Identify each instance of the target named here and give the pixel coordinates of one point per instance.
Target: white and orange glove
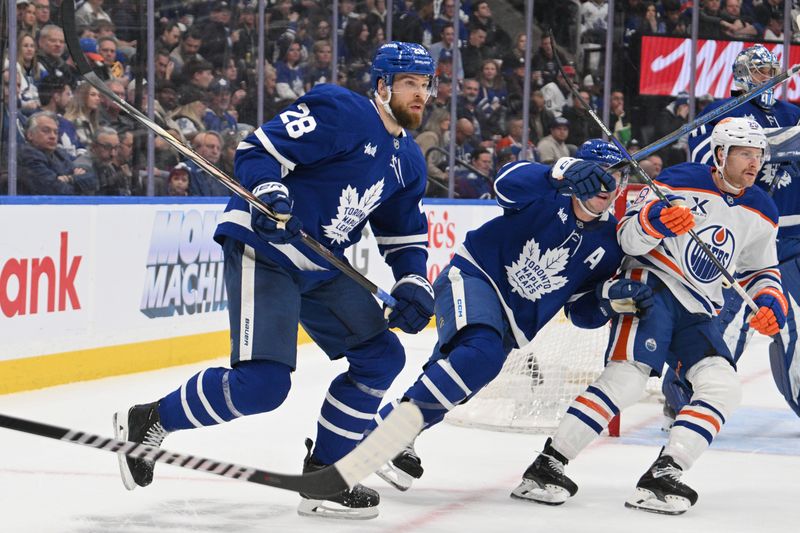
(772, 309)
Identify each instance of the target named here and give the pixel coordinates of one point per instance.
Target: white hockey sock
(620, 385)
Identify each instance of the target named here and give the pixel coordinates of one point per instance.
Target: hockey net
(539, 381)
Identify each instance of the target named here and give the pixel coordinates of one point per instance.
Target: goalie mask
(752, 67)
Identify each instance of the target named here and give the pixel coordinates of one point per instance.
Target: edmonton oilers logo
(720, 241)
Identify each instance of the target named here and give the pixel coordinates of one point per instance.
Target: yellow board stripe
(48, 370)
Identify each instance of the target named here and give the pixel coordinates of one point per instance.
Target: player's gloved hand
(582, 178)
(414, 307)
(660, 220)
(275, 195)
(772, 309)
(625, 297)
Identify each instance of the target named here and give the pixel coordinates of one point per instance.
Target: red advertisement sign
(666, 66)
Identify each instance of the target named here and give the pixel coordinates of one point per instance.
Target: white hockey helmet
(737, 131)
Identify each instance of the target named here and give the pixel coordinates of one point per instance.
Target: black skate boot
(358, 503)
(544, 481)
(660, 489)
(401, 471)
(141, 424)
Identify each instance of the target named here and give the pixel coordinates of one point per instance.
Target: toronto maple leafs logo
(774, 174)
(534, 273)
(353, 209)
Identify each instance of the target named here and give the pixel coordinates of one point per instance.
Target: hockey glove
(772, 309)
(275, 195)
(582, 178)
(414, 307)
(625, 297)
(659, 220)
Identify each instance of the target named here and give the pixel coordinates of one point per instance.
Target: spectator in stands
(764, 11)
(107, 48)
(358, 49)
(444, 48)
(178, 181)
(169, 37)
(230, 140)
(553, 147)
(467, 103)
(515, 77)
(26, 17)
(513, 140)
(652, 23)
(84, 112)
(54, 95)
(675, 24)
(556, 93)
(435, 134)
(581, 125)
(245, 37)
(669, 119)
(248, 109)
(110, 112)
(440, 102)
(543, 64)
(322, 30)
(42, 13)
(711, 21)
(189, 113)
(475, 52)
(497, 40)
(166, 96)
(740, 26)
(593, 23)
(492, 83)
(187, 51)
(215, 47)
(516, 55)
(540, 117)
(123, 161)
(99, 161)
(43, 167)
(51, 51)
(620, 121)
(198, 74)
(216, 116)
(470, 184)
(290, 73)
(163, 64)
(319, 68)
(209, 145)
(465, 139)
(491, 100)
(90, 12)
(774, 30)
(29, 73)
(375, 13)
(5, 120)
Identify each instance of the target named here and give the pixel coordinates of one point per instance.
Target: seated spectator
(669, 119)
(169, 36)
(739, 25)
(99, 161)
(187, 51)
(556, 93)
(652, 23)
(444, 48)
(90, 12)
(774, 30)
(107, 48)
(516, 55)
(469, 184)
(512, 141)
(54, 95)
(543, 64)
(45, 169)
(216, 41)
(110, 113)
(475, 52)
(209, 145)
(439, 102)
(248, 108)
(465, 139)
(290, 73)
(581, 125)
(467, 103)
(553, 147)
(123, 164)
(178, 181)
(492, 85)
(19, 120)
(26, 17)
(42, 14)
(197, 74)
(217, 117)
(435, 134)
(29, 72)
(446, 15)
(674, 24)
(190, 111)
(84, 112)
(497, 40)
(711, 22)
(764, 11)
(319, 68)
(163, 64)
(619, 118)
(51, 54)
(540, 117)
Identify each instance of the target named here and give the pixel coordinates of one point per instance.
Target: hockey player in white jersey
(335, 160)
(556, 251)
(739, 223)
(752, 67)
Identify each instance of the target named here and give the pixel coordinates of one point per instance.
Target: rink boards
(91, 288)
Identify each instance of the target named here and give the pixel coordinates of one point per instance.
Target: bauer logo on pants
(722, 245)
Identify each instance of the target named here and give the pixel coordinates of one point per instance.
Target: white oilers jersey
(343, 169)
(739, 230)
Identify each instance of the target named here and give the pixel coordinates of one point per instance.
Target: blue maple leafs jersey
(538, 256)
(343, 169)
(785, 176)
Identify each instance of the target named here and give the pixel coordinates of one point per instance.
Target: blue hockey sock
(218, 395)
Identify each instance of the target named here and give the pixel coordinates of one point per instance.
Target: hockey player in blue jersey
(558, 250)
(335, 160)
(739, 223)
(752, 67)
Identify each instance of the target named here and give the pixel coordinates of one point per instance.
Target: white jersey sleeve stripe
(393, 250)
(423, 237)
(270, 148)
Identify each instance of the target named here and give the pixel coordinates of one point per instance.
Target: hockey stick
(659, 193)
(71, 38)
(669, 138)
(387, 440)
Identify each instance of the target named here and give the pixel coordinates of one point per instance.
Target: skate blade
(644, 500)
(531, 491)
(332, 510)
(121, 433)
(395, 477)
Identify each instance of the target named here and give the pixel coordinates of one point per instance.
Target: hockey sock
(619, 385)
(218, 395)
(354, 396)
(475, 359)
(717, 392)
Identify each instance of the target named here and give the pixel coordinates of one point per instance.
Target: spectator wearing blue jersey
(217, 118)
(334, 160)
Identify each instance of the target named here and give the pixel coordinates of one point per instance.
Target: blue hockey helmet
(399, 57)
(599, 151)
(752, 67)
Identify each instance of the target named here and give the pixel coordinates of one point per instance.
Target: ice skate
(401, 471)
(141, 424)
(660, 489)
(358, 503)
(544, 481)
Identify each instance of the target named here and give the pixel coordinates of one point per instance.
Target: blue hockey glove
(275, 195)
(625, 297)
(661, 220)
(414, 307)
(582, 178)
(772, 309)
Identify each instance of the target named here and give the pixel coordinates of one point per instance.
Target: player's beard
(404, 117)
